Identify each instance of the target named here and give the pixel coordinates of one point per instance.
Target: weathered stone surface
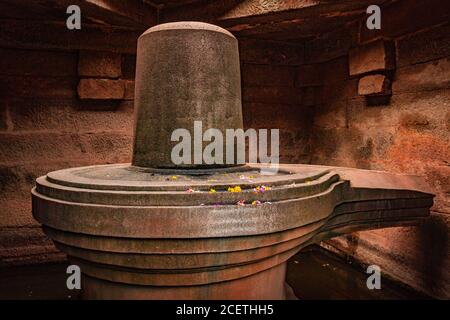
(166, 55)
(4, 118)
(285, 116)
(309, 75)
(41, 115)
(338, 91)
(26, 245)
(404, 198)
(309, 96)
(417, 255)
(99, 64)
(129, 90)
(128, 66)
(334, 71)
(397, 18)
(39, 63)
(422, 77)
(331, 45)
(49, 35)
(101, 89)
(51, 147)
(284, 95)
(375, 56)
(270, 52)
(37, 87)
(376, 84)
(267, 75)
(424, 46)
(126, 224)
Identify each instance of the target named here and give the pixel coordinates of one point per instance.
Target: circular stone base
(223, 233)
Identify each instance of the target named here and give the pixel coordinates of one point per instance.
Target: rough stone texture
(184, 66)
(99, 64)
(376, 84)
(129, 90)
(426, 45)
(400, 18)
(44, 127)
(101, 89)
(410, 134)
(426, 76)
(273, 96)
(375, 56)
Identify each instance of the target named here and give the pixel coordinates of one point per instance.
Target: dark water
(313, 274)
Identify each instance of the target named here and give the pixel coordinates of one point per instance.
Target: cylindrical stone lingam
(139, 231)
(185, 72)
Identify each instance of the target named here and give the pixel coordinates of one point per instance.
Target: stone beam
(51, 35)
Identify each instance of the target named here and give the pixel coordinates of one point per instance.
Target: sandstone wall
(66, 101)
(71, 105)
(358, 123)
(272, 97)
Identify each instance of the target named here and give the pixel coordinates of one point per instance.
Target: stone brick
(434, 104)
(309, 75)
(267, 75)
(423, 77)
(309, 96)
(129, 90)
(424, 46)
(331, 45)
(37, 87)
(50, 147)
(25, 245)
(69, 116)
(415, 255)
(375, 56)
(99, 64)
(109, 147)
(270, 52)
(404, 17)
(415, 120)
(44, 34)
(335, 70)
(376, 84)
(104, 89)
(128, 66)
(331, 115)
(282, 95)
(16, 62)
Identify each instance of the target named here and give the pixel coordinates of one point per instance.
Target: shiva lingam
(138, 232)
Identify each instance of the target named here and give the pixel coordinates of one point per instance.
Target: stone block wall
(58, 109)
(351, 97)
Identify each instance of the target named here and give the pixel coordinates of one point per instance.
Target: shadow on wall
(433, 239)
